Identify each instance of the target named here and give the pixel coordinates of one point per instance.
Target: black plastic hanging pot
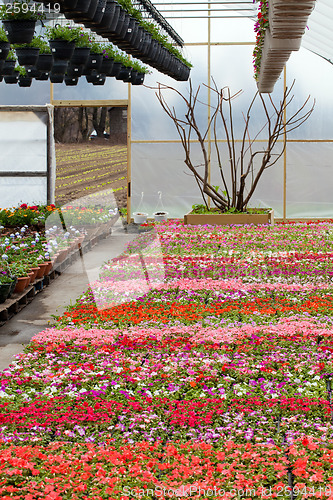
(100, 81)
(19, 31)
(32, 71)
(106, 66)
(61, 49)
(80, 56)
(115, 69)
(183, 74)
(44, 75)
(146, 43)
(45, 62)
(25, 81)
(2, 63)
(131, 31)
(56, 78)
(123, 73)
(27, 56)
(59, 67)
(94, 63)
(88, 15)
(93, 76)
(138, 41)
(75, 71)
(97, 17)
(70, 82)
(81, 7)
(8, 67)
(108, 16)
(4, 50)
(132, 75)
(139, 79)
(13, 78)
(68, 5)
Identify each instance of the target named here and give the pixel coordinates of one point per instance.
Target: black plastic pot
(45, 62)
(2, 63)
(32, 71)
(123, 73)
(132, 30)
(81, 7)
(56, 78)
(70, 82)
(27, 56)
(68, 5)
(139, 79)
(4, 50)
(75, 71)
(97, 17)
(25, 81)
(132, 75)
(108, 16)
(94, 63)
(13, 78)
(8, 67)
(80, 56)
(147, 42)
(82, 17)
(1, 78)
(19, 31)
(93, 77)
(100, 81)
(184, 73)
(138, 41)
(44, 75)
(106, 66)
(61, 49)
(59, 67)
(115, 69)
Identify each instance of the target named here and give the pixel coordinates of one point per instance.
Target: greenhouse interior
(166, 230)
(218, 39)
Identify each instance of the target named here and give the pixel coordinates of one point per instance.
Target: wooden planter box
(228, 219)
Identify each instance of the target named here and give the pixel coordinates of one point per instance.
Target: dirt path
(88, 168)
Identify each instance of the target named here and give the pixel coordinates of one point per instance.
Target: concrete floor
(54, 299)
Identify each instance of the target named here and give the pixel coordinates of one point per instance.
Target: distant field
(87, 168)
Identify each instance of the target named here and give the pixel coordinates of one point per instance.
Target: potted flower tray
(258, 216)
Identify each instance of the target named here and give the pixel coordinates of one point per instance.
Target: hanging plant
(260, 28)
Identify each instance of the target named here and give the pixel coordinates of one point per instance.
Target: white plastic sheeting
(27, 156)
(319, 35)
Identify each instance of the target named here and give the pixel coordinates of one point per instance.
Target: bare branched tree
(245, 167)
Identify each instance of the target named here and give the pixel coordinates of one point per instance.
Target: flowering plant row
(178, 377)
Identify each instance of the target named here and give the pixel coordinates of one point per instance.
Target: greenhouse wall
(220, 49)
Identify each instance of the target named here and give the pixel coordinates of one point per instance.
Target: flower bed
(214, 382)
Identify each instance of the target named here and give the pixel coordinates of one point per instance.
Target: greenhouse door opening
(91, 152)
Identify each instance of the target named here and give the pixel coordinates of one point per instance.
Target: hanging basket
(71, 82)
(27, 56)
(80, 56)
(45, 62)
(289, 19)
(13, 78)
(25, 81)
(140, 217)
(160, 216)
(19, 31)
(61, 49)
(8, 67)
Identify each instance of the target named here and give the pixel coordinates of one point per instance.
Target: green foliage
(21, 70)
(58, 32)
(37, 42)
(3, 36)
(96, 48)
(139, 68)
(11, 55)
(82, 38)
